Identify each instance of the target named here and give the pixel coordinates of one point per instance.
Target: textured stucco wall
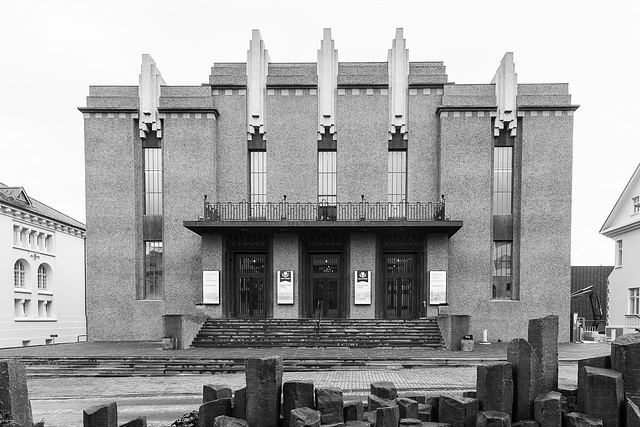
(189, 173)
(466, 150)
(437, 259)
(111, 201)
(212, 261)
(285, 257)
(292, 145)
(362, 127)
(231, 159)
(545, 249)
(423, 161)
(363, 257)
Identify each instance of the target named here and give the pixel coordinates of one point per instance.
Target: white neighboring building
(623, 226)
(42, 273)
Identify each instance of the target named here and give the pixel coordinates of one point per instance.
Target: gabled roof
(620, 218)
(17, 197)
(16, 193)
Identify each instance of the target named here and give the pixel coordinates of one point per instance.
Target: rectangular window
(619, 253)
(397, 183)
(153, 271)
(502, 180)
(634, 301)
(327, 178)
(502, 263)
(636, 204)
(152, 181)
(258, 190)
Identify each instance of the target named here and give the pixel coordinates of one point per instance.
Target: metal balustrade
(300, 211)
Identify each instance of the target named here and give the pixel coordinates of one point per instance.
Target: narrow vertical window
(43, 278)
(153, 271)
(634, 301)
(502, 180)
(153, 181)
(327, 185)
(397, 183)
(258, 183)
(258, 176)
(619, 253)
(636, 204)
(502, 263)
(18, 274)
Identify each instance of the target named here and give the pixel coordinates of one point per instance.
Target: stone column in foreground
(604, 395)
(495, 387)
(14, 396)
(264, 388)
(525, 364)
(625, 358)
(543, 336)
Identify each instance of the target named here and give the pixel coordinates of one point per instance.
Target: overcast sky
(51, 51)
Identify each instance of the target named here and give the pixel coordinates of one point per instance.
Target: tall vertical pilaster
(257, 69)
(398, 60)
(327, 86)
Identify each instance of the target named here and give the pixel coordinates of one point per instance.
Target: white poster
(362, 287)
(285, 287)
(211, 287)
(437, 287)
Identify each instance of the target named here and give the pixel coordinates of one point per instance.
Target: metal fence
(358, 211)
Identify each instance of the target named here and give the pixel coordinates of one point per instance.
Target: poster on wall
(362, 287)
(211, 287)
(437, 287)
(285, 286)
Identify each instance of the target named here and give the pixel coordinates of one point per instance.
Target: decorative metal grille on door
(399, 278)
(325, 277)
(250, 292)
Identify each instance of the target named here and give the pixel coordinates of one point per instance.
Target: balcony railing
(632, 321)
(358, 211)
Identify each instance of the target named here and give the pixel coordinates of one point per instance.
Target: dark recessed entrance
(400, 286)
(250, 286)
(325, 284)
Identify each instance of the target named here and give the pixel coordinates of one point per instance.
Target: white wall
(64, 261)
(624, 277)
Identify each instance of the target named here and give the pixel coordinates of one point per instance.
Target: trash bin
(466, 344)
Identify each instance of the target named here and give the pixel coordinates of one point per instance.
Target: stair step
(331, 333)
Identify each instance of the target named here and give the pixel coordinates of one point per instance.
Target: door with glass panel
(325, 285)
(250, 301)
(400, 286)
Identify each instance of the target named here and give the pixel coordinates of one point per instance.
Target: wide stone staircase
(326, 333)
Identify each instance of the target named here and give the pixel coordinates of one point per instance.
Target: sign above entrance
(437, 287)
(362, 287)
(211, 287)
(285, 286)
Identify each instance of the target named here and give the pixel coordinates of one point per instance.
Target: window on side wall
(153, 271)
(43, 278)
(636, 204)
(502, 268)
(19, 274)
(634, 301)
(619, 253)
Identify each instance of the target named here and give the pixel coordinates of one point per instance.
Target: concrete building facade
(42, 297)
(358, 190)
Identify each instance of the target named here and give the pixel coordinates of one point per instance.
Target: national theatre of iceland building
(369, 190)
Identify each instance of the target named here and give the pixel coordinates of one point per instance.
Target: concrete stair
(331, 333)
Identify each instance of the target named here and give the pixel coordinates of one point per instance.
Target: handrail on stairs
(318, 319)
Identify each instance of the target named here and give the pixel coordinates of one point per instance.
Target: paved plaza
(163, 399)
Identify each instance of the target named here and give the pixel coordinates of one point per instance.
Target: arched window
(43, 277)
(18, 274)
